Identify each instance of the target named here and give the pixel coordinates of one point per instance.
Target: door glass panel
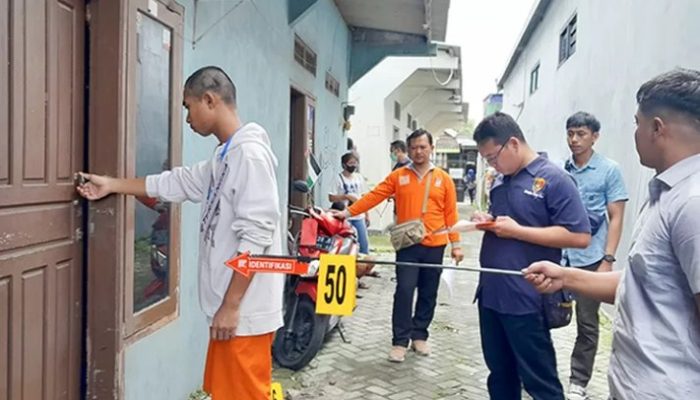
(152, 149)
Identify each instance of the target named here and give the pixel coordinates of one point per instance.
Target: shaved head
(211, 79)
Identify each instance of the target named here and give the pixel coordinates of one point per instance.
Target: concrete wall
(620, 45)
(254, 44)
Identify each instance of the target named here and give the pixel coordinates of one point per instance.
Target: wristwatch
(609, 258)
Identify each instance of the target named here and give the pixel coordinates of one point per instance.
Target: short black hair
(418, 133)
(211, 79)
(350, 144)
(338, 205)
(677, 90)
(398, 145)
(347, 156)
(583, 119)
(498, 127)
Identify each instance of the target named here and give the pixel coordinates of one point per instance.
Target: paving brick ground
(455, 370)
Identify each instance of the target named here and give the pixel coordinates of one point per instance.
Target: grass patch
(199, 395)
(380, 243)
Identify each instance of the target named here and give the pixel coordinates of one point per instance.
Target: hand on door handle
(92, 187)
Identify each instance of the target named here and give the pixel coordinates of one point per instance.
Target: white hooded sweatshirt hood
(240, 213)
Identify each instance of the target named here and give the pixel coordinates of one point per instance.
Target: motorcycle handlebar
(300, 213)
(303, 211)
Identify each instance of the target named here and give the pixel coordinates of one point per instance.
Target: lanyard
(223, 151)
(220, 173)
(211, 209)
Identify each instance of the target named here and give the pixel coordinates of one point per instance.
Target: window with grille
(567, 40)
(409, 121)
(332, 84)
(397, 111)
(304, 55)
(535, 79)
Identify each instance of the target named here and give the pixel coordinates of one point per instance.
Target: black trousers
(587, 324)
(408, 325)
(518, 350)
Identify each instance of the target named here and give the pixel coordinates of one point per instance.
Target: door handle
(79, 179)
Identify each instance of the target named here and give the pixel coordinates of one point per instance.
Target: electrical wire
(449, 78)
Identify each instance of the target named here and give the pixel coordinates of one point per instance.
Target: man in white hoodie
(240, 213)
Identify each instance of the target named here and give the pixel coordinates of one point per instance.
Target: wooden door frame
(165, 310)
(106, 133)
(297, 148)
(108, 123)
(304, 99)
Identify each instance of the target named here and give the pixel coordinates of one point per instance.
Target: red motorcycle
(297, 342)
(159, 248)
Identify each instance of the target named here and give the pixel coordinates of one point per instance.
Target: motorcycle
(297, 342)
(158, 249)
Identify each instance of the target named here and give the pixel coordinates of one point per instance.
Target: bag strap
(427, 193)
(345, 186)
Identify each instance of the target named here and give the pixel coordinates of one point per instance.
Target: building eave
(427, 18)
(391, 28)
(534, 21)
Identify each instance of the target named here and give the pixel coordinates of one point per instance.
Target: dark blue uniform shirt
(540, 195)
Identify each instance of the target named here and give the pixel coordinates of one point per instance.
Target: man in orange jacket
(407, 185)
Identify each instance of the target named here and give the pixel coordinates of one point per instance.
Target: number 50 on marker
(336, 285)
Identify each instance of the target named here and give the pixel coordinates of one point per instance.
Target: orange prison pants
(240, 368)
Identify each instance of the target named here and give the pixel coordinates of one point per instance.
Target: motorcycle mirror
(301, 186)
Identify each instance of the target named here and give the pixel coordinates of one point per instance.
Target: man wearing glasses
(536, 211)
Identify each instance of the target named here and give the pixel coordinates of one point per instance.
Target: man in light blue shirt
(656, 331)
(602, 190)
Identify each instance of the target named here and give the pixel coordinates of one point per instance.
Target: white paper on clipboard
(463, 226)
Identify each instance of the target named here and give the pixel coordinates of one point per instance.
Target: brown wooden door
(41, 146)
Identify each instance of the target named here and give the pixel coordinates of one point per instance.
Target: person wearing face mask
(350, 186)
(398, 154)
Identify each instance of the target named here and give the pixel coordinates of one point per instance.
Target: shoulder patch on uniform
(538, 185)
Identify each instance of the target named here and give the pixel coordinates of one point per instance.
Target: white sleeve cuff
(152, 185)
(250, 247)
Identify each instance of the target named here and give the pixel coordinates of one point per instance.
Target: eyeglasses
(493, 159)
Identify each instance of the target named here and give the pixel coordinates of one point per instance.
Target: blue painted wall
(254, 44)
(324, 30)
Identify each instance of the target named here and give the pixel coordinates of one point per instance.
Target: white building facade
(586, 55)
(399, 95)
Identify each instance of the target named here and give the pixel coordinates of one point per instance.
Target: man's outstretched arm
(548, 277)
(176, 185)
(98, 186)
